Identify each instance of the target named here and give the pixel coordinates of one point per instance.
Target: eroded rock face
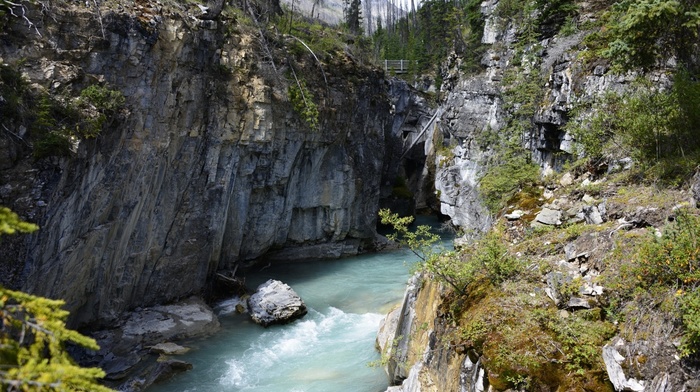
(275, 302)
(211, 167)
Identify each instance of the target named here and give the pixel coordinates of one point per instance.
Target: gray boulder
(275, 302)
(549, 217)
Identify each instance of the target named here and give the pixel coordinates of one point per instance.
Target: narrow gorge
(168, 149)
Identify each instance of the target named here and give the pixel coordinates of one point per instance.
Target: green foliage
(660, 129)
(500, 182)
(302, 100)
(674, 261)
(690, 310)
(33, 335)
(14, 93)
(426, 37)
(32, 340)
(59, 123)
(644, 32)
(421, 241)
(106, 101)
(10, 223)
(487, 260)
(353, 16)
(492, 259)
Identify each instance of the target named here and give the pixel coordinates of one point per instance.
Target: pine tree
(33, 335)
(353, 16)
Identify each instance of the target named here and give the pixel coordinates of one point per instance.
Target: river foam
(326, 351)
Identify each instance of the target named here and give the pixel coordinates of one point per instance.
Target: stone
(167, 368)
(592, 215)
(549, 217)
(515, 215)
(169, 348)
(612, 360)
(567, 179)
(588, 199)
(591, 290)
(186, 319)
(619, 165)
(275, 302)
(578, 303)
(461, 242)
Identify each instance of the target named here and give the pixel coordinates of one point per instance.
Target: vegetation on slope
(536, 315)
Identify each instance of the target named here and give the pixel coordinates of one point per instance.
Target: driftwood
(228, 284)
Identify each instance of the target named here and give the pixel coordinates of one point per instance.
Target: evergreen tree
(33, 335)
(353, 16)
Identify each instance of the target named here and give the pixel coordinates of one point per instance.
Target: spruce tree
(33, 336)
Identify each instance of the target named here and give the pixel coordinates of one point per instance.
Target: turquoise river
(329, 350)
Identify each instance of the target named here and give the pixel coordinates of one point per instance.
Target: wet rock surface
(138, 352)
(275, 302)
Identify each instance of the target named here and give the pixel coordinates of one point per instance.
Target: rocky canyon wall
(210, 168)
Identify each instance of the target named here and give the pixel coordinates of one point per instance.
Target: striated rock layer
(211, 167)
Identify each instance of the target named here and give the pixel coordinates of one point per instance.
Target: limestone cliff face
(426, 356)
(210, 168)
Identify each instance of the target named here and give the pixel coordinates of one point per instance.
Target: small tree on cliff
(33, 335)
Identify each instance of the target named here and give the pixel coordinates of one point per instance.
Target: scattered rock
(591, 290)
(515, 215)
(567, 179)
(549, 217)
(169, 367)
(275, 302)
(578, 303)
(588, 199)
(185, 319)
(620, 165)
(460, 242)
(169, 348)
(613, 359)
(592, 215)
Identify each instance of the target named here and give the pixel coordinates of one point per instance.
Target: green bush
(642, 33)
(659, 129)
(674, 261)
(303, 102)
(499, 183)
(690, 308)
(103, 99)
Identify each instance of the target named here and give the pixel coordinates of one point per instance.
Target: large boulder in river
(275, 302)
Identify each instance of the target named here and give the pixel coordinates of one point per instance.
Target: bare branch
(316, 58)
(10, 6)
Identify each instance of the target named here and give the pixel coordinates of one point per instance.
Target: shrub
(103, 99)
(302, 101)
(674, 261)
(645, 32)
(660, 129)
(690, 308)
(499, 183)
